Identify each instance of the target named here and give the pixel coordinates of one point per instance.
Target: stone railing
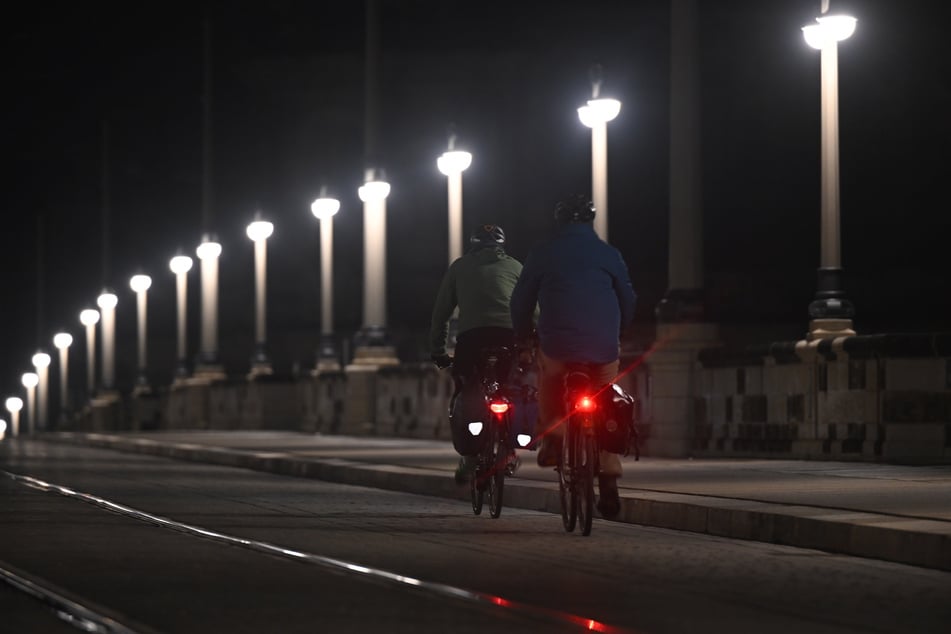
(876, 398)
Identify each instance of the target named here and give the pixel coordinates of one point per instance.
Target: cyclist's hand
(442, 361)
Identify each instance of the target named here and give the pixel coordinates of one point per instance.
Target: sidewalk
(891, 512)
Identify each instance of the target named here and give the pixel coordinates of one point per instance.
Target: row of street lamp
(830, 303)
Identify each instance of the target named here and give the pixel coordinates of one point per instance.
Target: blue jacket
(584, 294)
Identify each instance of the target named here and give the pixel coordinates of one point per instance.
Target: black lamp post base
(831, 311)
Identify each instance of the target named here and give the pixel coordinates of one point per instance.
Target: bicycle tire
(566, 494)
(496, 474)
(585, 481)
(476, 492)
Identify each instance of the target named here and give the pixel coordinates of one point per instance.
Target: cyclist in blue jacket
(585, 300)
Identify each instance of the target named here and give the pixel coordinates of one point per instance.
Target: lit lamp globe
(828, 29)
(324, 208)
(260, 230)
(180, 264)
(140, 283)
(454, 162)
(30, 380)
(107, 301)
(208, 250)
(374, 191)
(89, 317)
(14, 404)
(41, 360)
(62, 340)
(599, 111)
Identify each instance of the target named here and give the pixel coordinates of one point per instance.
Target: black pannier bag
(524, 397)
(469, 407)
(617, 432)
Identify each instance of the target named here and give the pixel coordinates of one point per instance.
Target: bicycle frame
(579, 460)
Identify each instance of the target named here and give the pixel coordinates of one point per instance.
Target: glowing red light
(586, 404)
(499, 407)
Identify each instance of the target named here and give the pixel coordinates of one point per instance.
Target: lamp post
(373, 193)
(140, 284)
(453, 163)
(831, 311)
(595, 114)
(107, 306)
(89, 318)
(30, 381)
(41, 361)
(62, 341)
(324, 209)
(208, 252)
(180, 266)
(259, 231)
(14, 405)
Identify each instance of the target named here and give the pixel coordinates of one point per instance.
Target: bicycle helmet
(577, 208)
(487, 236)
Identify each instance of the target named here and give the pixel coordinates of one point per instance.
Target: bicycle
(492, 417)
(578, 462)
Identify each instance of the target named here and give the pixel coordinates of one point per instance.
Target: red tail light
(586, 404)
(499, 407)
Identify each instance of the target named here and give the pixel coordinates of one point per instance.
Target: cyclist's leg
(550, 427)
(609, 501)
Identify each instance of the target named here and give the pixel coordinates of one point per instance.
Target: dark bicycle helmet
(577, 208)
(487, 236)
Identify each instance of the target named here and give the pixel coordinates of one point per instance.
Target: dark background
(288, 118)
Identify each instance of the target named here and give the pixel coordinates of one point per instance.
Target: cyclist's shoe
(609, 500)
(512, 464)
(464, 469)
(549, 451)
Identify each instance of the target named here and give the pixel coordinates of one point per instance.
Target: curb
(917, 542)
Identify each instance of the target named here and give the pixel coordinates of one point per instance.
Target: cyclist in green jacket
(480, 284)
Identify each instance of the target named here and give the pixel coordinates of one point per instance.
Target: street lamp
(259, 231)
(595, 114)
(831, 311)
(453, 163)
(208, 252)
(140, 284)
(324, 209)
(14, 405)
(180, 266)
(373, 193)
(107, 305)
(41, 361)
(89, 318)
(62, 341)
(30, 381)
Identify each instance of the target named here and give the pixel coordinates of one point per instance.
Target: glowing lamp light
(260, 230)
(30, 380)
(62, 340)
(89, 317)
(475, 428)
(599, 111)
(374, 191)
(324, 208)
(180, 264)
(454, 162)
(829, 30)
(15, 403)
(41, 360)
(140, 283)
(3, 427)
(498, 407)
(208, 250)
(586, 404)
(523, 440)
(107, 301)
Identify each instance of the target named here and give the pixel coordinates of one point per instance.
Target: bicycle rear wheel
(566, 493)
(476, 490)
(498, 454)
(584, 482)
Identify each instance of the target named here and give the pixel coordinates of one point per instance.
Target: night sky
(288, 118)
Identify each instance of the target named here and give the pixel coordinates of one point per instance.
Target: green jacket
(480, 283)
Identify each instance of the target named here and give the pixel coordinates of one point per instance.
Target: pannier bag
(524, 397)
(617, 432)
(469, 407)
